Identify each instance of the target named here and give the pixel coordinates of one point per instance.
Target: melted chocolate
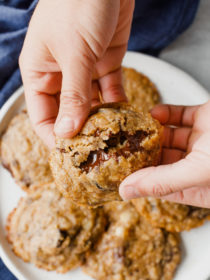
(132, 145)
(94, 159)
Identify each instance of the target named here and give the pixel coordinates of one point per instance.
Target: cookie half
(51, 232)
(115, 141)
(24, 154)
(141, 92)
(171, 216)
(132, 249)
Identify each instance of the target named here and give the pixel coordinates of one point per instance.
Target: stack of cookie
(69, 219)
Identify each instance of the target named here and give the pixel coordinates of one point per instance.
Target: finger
(171, 155)
(111, 87)
(41, 99)
(49, 83)
(41, 83)
(197, 196)
(175, 115)
(176, 138)
(43, 121)
(75, 98)
(163, 180)
(95, 94)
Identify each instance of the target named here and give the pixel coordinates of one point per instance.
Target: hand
(72, 50)
(184, 175)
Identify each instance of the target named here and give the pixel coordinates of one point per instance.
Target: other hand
(184, 175)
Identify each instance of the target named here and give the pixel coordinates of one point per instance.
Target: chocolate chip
(27, 181)
(131, 145)
(59, 243)
(128, 262)
(94, 159)
(63, 234)
(61, 150)
(98, 186)
(75, 231)
(97, 132)
(107, 189)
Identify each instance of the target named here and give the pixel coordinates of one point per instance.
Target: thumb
(161, 180)
(75, 98)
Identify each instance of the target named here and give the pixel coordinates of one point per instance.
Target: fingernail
(64, 126)
(129, 192)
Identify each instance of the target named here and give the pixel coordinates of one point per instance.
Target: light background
(191, 50)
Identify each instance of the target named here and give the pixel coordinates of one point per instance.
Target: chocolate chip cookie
(171, 216)
(50, 231)
(141, 92)
(24, 154)
(132, 249)
(115, 141)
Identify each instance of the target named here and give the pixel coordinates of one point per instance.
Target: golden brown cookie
(24, 154)
(50, 231)
(141, 92)
(171, 216)
(115, 141)
(132, 249)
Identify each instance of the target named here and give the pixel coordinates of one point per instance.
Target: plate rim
(10, 101)
(171, 67)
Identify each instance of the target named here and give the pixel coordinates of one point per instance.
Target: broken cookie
(115, 141)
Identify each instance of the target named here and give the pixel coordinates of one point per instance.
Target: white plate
(176, 87)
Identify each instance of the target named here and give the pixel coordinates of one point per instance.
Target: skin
(73, 49)
(184, 173)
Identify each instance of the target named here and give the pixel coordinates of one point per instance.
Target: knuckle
(74, 98)
(182, 196)
(142, 192)
(159, 190)
(90, 42)
(203, 196)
